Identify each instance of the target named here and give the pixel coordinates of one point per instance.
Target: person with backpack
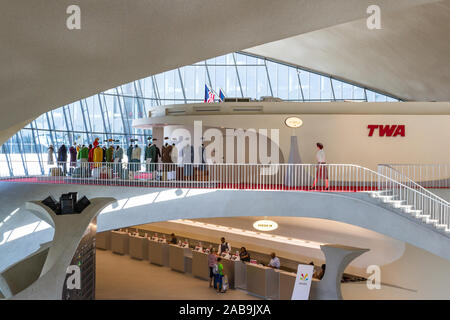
(212, 262)
(218, 275)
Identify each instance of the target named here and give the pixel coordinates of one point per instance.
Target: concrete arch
(69, 230)
(355, 209)
(137, 206)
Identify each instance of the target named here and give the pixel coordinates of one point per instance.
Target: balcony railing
(341, 177)
(280, 177)
(426, 175)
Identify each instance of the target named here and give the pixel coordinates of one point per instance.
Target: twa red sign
(387, 130)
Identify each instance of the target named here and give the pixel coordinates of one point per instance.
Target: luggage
(56, 172)
(171, 175)
(125, 174)
(105, 173)
(225, 283)
(76, 173)
(201, 175)
(96, 173)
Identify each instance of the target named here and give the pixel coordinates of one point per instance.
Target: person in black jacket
(62, 158)
(244, 255)
(173, 239)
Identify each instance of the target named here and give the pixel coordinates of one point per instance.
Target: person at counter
(173, 239)
(274, 261)
(223, 246)
(321, 273)
(244, 256)
(212, 261)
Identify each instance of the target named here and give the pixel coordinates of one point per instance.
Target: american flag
(211, 97)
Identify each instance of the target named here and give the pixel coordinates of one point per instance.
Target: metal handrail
(406, 180)
(280, 177)
(426, 175)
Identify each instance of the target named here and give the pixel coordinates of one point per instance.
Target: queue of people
(217, 274)
(110, 154)
(82, 154)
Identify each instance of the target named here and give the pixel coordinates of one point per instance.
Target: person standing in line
(274, 261)
(91, 154)
(223, 246)
(129, 152)
(174, 158)
(167, 160)
(212, 261)
(147, 157)
(104, 154)
(136, 158)
(218, 276)
(110, 154)
(50, 155)
(62, 158)
(118, 154)
(154, 153)
(83, 156)
(73, 156)
(321, 168)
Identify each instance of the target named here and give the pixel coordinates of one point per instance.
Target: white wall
(346, 139)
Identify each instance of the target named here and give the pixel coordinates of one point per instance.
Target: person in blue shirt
(274, 261)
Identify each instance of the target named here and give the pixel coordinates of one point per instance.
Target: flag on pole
(221, 95)
(206, 93)
(209, 95)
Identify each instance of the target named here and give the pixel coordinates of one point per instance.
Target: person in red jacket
(91, 155)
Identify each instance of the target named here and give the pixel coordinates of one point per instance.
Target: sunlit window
(109, 114)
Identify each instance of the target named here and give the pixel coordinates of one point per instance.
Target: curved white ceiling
(44, 65)
(408, 58)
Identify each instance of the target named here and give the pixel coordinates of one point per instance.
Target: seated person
(173, 239)
(321, 272)
(274, 261)
(244, 255)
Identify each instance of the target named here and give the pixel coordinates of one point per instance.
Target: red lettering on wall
(400, 131)
(387, 130)
(372, 128)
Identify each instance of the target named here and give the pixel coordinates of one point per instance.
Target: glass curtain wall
(109, 115)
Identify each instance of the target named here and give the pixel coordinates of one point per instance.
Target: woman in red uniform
(321, 168)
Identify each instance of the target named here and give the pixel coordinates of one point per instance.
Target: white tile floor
(121, 277)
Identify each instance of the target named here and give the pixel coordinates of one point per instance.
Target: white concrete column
(69, 229)
(337, 258)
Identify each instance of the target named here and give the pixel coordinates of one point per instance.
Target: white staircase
(403, 194)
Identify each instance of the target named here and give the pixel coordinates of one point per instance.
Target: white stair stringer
(387, 198)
